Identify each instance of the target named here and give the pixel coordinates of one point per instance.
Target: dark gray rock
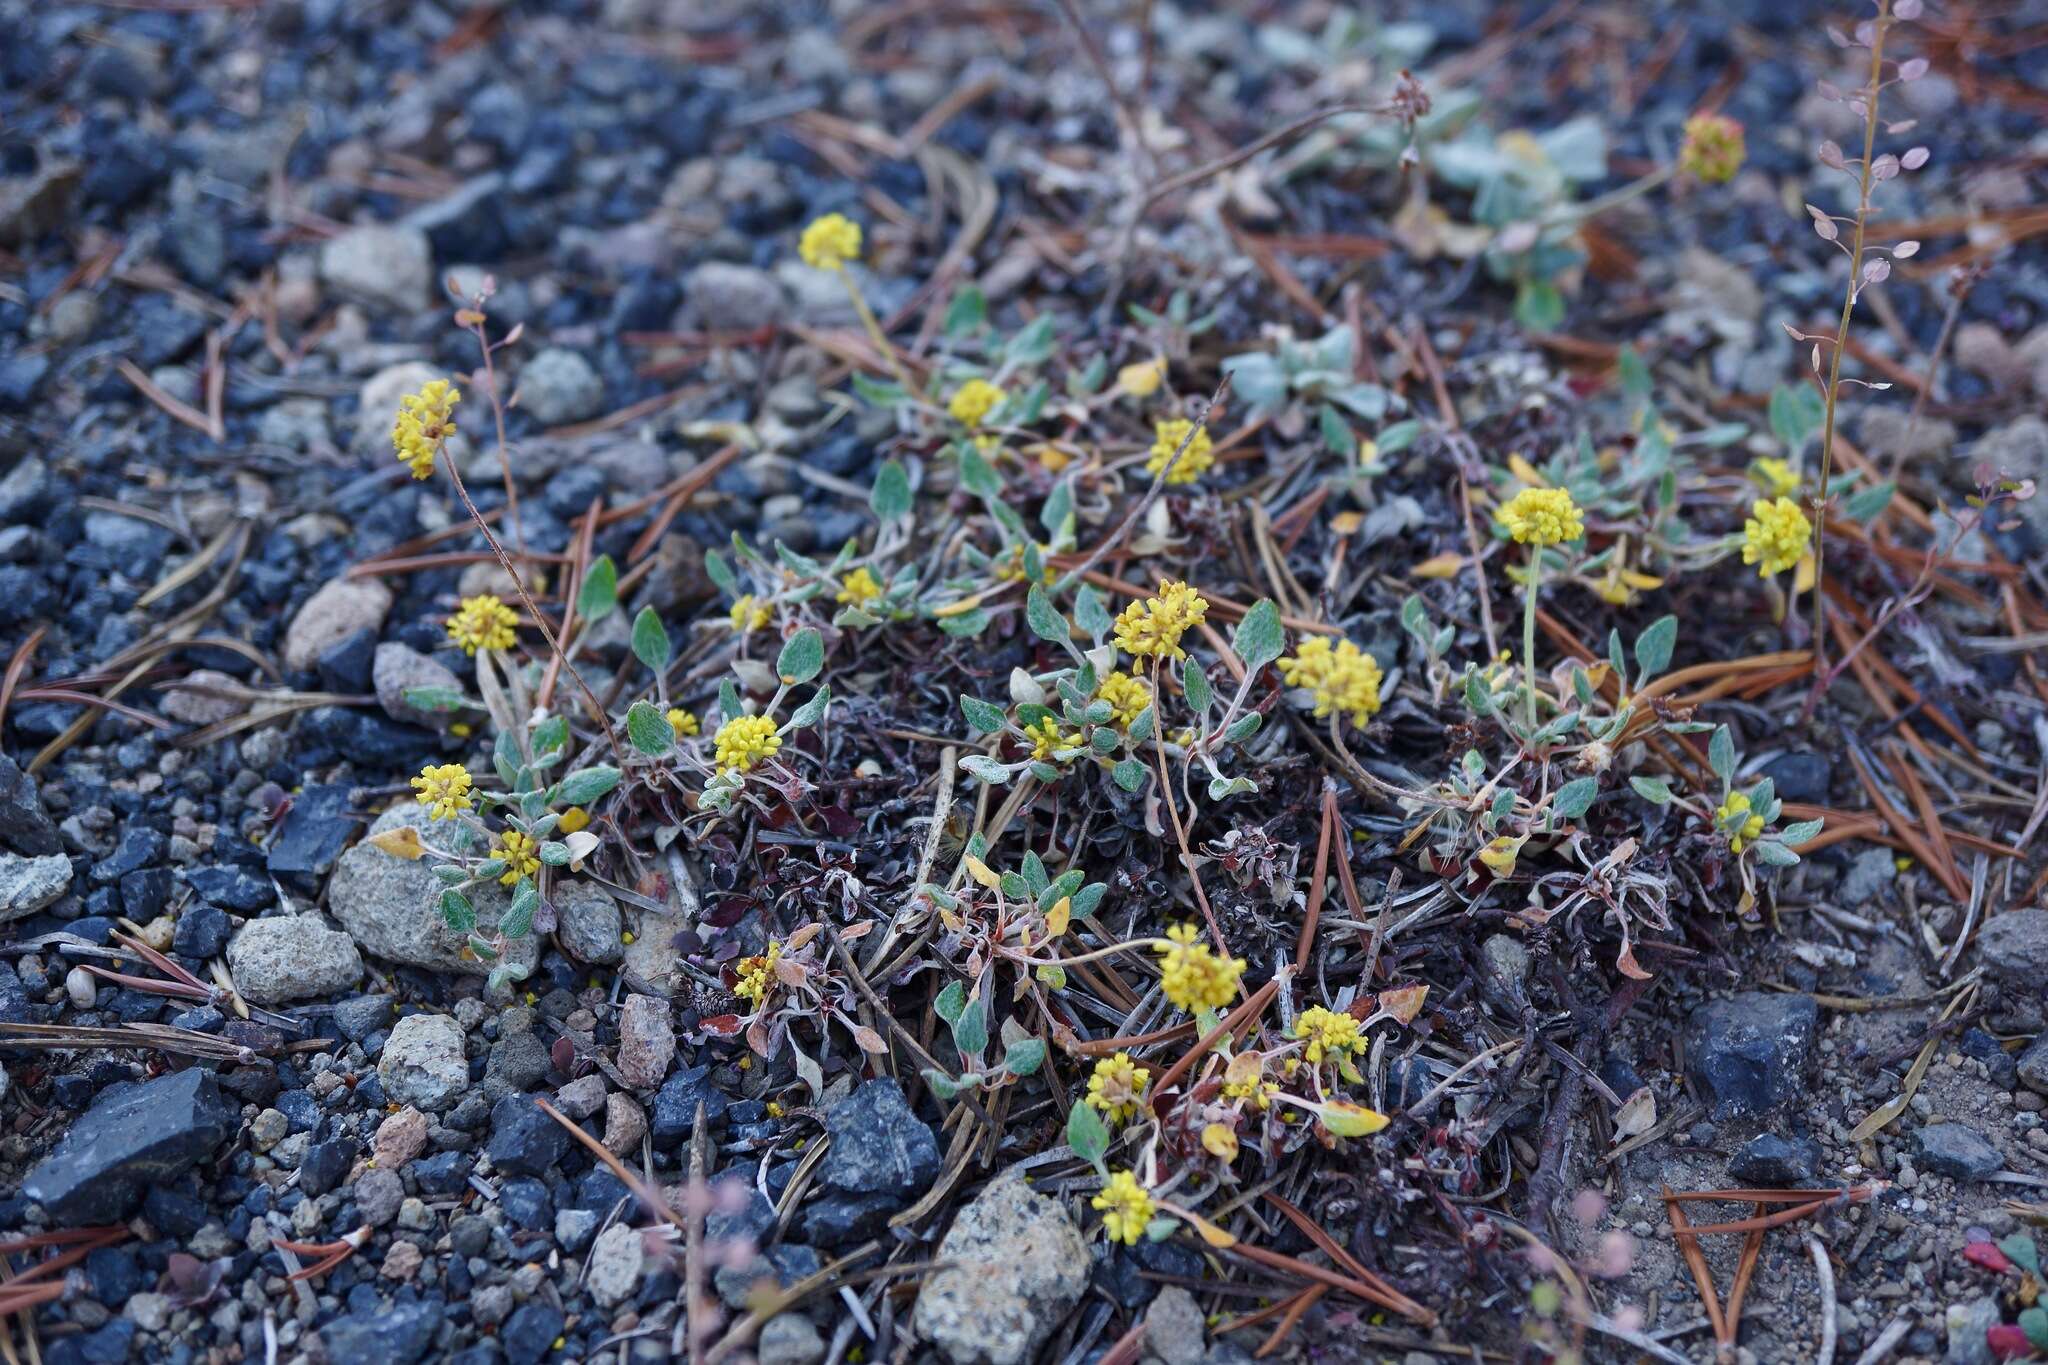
(2014, 947)
(202, 931)
(675, 1105)
(1800, 777)
(397, 1335)
(315, 831)
(529, 1334)
(882, 1157)
(524, 1141)
(1959, 1151)
(516, 1064)
(363, 1015)
(1748, 1053)
(325, 1165)
(231, 885)
(1998, 1063)
(1773, 1161)
(24, 825)
(137, 1135)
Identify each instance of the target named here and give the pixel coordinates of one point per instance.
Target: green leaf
(1087, 1135)
(551, 735)
(729, 707)
(1043, 617)
(1142, 724)
(946, 1087)
(1635, 375)
(1398, 437)
(1129, 774)
(1575, 796)
(1653, 647)
(518, 920)
(985, 768)
(1091, 613)
(802, 657)
(1061, 887)
(1336, 433)
(1195, 683)
(1031, 345)
(813, 709)
(1774, 853)
(970, 1031)
(598, 597)
(650, 639)
(1477, 697)
(950, 1002)
(585, 785)
(648, 729)
(1057, 515)
(967, 311)
(1244, 727)
(1655, 790)
(435, 699)
(1024, 1057)
(554, 853)
(1721, 753)
(1034, 872)
(720, 573)
(880, 393)
(2019, 1246)
(1865, 503)
(1539, 306)
(1014, 886)
(2033, 1321)
(982, 717)
(1796, 414)
(977, 475)
(456, 911)
(965, 625)
(890, 499)
(1801, 832)
(1259, 638)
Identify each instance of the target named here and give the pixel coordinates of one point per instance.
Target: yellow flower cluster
(1752, 825)
(444, 790)
(830, 242)
(1343, 678)
(859, 588)
(683, 723)
(1542, 516)
(1116, 1086)
(1193, 461)
(1046, 736)
(973, 401)
(1126, 1207)
(1712, 150)
(424, 423)
(1152, 628)
(744, 741)
(1254, 1088)
(757, 974)
(1328, 1032)
(520, 854)
(1127, 696)
(483, 622)
(1777, 477)
(749, 614)
(1141, 379)
(1193, 977)
(1775, 535)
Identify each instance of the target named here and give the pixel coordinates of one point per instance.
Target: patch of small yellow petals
(1775, 535)
(1127, 697)
(859, 588)
(1776, 477)
(1343, 678)
(1046, 737)
(757, 974)
(483, 622)
(521, 855)
(744, 741)
(1166, 439)
(1542, 516)
(1152, 628)
(973, 401)
(1328, 1032)
(749, 614)
(1116, 1086)
(425, 422)
(1737, 805)
(1126, 1208)
(444, 790)
(1712, 150)
(1193, 977)
(1142, 378)
(683, 723)
(830, 242)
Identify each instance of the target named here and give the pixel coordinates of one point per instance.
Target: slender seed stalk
(874, 331)
(1529, 634)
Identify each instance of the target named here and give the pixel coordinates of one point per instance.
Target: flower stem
(874, 331)
(1529, 634)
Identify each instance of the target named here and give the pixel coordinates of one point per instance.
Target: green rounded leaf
(650, 639)
(802, 658)
(648, 729)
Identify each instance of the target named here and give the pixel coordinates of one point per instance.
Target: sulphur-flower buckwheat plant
(830, 241)
(1328, 1033)
(1192, 976)
(425, 422)
(444, 789)
(683, 723)
(1776, 477)
(1775, 535)
(1116, 1086)
(1127, 696)
(1736, 818)
(1168, 438)
(1047, 739)
(1712, 150)
(859, 588)
(1542, 516)
(973, 401)
(1151, 629)
(1126, 1208)
(750, 614)
(519, 852)
(755, 976)
(483, 622)
(745, 741)
(1343, 679)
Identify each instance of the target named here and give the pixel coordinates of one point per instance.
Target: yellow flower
(1167, 437)
(749, 614)
(573, 819)
(1328, 1032)
(1126, 695)
(1777, 478)
(1737, 806)
(1342, 678)
(483, 622)
(830, 242)
(972, 401)
(1620, 584)
(1116, 1086)
(1142, 379)
(744, 741)
(1255, 1088)
(424, 424)
(757, 974)
(1126, 1208)
(682, 722)
(1045, 736)
(1712, 150)
(859, 588)
(444, 790)
(520, 854)
(1775, 535)
(1193, 977)
(1542, 516)
(1152, 628)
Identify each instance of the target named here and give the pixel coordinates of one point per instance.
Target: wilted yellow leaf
(1526, 472)
(1346, 1119)
(1061, 914)
(979, 870)
(1220, 1141)
(1403, 1003)
(1439, 566)
(1244, 1068)
(1499, 856)
(403, 842)
(1210, 1233)
(1142, 380)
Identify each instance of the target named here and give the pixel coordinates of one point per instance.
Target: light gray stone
(647, 1041)
(423, 1062)
(386, 267)
(735, 298)
(616, 1262)
(558, 387)
(1015, 1264)
(341, 607)
(397, 669)
(31, 884)
(587, 922)
(789, 1339)
(390, 904)
(292, 957)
